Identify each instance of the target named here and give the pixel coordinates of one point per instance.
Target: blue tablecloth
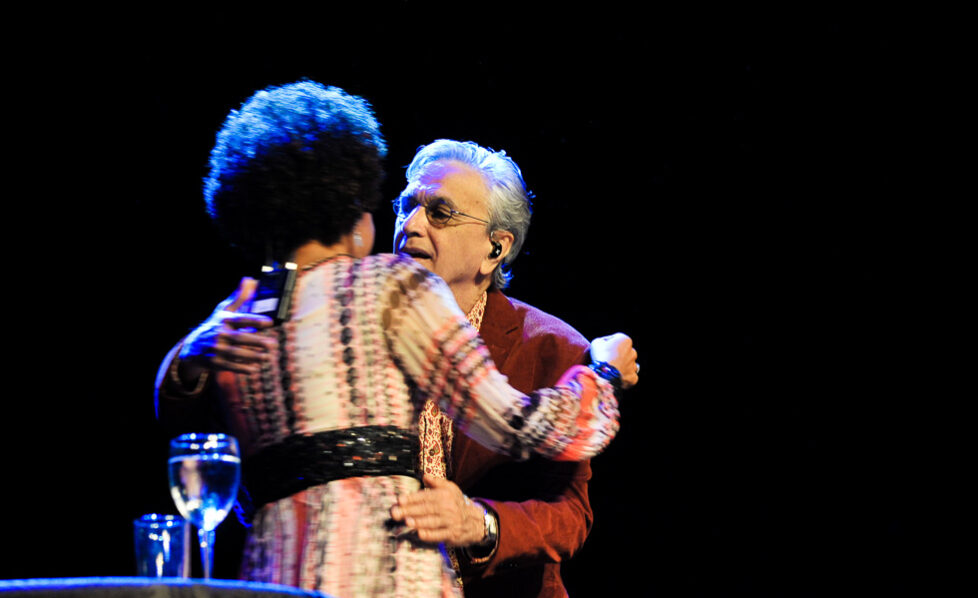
(144, 587)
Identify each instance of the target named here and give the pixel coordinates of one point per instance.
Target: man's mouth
(415, 254)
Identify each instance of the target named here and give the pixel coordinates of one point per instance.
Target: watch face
(491, 530)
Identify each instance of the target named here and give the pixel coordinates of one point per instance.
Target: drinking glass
(205, 470)
(162, 546)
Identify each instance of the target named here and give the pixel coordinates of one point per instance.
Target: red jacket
(543, 508)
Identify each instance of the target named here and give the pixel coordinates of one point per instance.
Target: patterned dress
(366, 342)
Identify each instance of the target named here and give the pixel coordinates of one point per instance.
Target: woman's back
(334, 378)
(333, 369)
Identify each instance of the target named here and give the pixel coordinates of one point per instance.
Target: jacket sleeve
(445, 357)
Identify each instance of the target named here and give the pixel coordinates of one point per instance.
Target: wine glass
(205, 470)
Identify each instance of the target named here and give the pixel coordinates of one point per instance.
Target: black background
(720, 186)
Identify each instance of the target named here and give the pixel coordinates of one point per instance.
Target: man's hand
(227, 340)
(441, 513)
(617, 350)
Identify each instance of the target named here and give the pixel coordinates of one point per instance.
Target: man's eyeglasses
(437, 210)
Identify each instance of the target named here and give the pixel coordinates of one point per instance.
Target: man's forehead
(445, 176)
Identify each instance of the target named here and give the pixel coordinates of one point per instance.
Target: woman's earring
(357, 238)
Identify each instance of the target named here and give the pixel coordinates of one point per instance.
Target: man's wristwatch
(492, 527)
(482, 552)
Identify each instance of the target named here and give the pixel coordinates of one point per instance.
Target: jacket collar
(501, 324)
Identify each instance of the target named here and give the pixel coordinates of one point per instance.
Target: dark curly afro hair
(295, 163)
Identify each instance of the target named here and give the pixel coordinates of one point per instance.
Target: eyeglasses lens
(436, 210)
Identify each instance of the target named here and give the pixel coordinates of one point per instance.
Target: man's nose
(415, 220)
(410, 225)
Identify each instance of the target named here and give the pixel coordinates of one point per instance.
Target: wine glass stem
(206, 551)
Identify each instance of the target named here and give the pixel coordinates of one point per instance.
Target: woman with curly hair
(324, 400)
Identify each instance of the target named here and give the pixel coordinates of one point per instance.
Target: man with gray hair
(464, 215)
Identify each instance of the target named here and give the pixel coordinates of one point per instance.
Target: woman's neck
(357, 243)
(314, 251)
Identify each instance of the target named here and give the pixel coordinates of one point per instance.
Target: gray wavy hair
(510, 204)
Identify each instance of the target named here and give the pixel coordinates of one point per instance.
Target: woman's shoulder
(388, 260)
(400, 276)
(397, 268)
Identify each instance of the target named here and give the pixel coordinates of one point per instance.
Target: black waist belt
(300, 462)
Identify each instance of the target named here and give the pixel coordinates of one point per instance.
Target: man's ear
(501, 242)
